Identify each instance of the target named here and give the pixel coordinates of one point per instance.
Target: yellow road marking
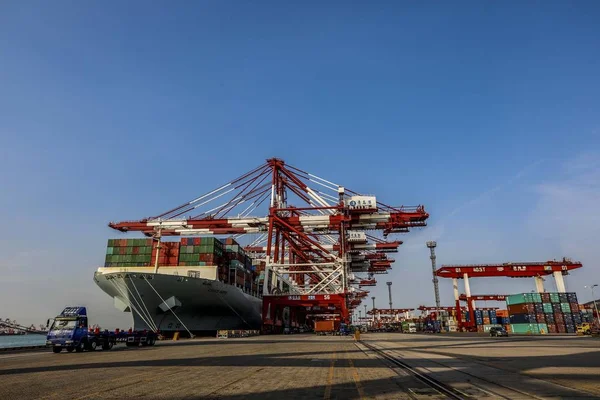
(361, 392)
(327, 395)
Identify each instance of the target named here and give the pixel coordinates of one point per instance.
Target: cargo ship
(197, 285)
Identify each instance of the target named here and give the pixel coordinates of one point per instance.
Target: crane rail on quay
(536, 270)
(315, 237)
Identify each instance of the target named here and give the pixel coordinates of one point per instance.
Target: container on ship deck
(537, 297)
(538, 307)
(565, 307)
(572, 297)
(550, 318)
(547, 307)
(552, 328)
(561, 328)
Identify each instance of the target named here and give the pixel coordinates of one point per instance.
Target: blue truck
(69, 331)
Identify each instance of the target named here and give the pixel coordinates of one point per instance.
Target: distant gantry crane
(314, 237)
(536, 270)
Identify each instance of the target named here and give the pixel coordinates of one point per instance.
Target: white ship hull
(170, 302)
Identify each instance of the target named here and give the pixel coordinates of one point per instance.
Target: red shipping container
(561, 328)
(540, 318)
(545, 297)
(559, 317)
(574, 307)
(122, 250)
(122, 242)
(521, 309)
(136, 250)
(197, 242)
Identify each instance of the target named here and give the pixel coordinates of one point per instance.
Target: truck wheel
(56, 349)
(107, 345)
(92, 345)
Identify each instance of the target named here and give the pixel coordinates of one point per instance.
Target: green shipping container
(530, 329)
(565, 307)
(537, 298)
(554, 298)
(543, 329)
(127, 258)
(109, 250)
(519, 298)
(547, 308)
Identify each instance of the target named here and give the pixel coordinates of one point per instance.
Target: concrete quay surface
(313, 367)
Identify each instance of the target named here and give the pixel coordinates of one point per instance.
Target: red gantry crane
(536, 270)
(312, 235)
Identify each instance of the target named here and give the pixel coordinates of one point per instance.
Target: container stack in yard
(541, 313)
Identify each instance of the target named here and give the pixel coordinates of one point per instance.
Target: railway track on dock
(427, 380)
(473, 386)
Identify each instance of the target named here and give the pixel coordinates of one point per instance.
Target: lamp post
(591, 287)
(373, 310)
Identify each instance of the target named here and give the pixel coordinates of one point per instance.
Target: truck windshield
(64, 324)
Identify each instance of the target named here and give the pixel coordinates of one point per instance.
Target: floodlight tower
(389, 284)
(436, 288)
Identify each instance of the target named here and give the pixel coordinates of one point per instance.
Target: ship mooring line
(144, 304)
(131, 305)
(170, 309)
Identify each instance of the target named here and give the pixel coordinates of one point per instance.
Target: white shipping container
(361, 203)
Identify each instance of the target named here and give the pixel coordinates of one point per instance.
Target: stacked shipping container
(234, 265)
(128, 252)
(200, 252)
(540, 313)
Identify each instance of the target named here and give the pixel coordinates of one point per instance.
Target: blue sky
(486, 113)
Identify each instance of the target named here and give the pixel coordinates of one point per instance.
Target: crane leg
(539, 284)
(560, 281)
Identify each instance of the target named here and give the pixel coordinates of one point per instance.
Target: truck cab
(69, 330)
